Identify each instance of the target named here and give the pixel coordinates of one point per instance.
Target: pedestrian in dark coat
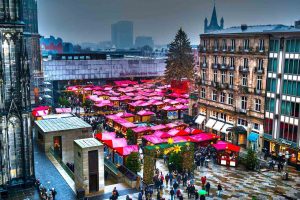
(207, 188)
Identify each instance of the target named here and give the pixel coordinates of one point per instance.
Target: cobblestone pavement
(238, 183)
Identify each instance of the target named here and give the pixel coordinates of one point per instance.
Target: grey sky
(89, 20)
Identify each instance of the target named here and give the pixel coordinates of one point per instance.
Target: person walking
(172, 193)
(219, 190)
(171, 178)
(167, 177)
(207, 188)
(203, 181)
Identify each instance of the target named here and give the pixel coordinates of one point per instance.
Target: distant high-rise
(213, 25)
(141, 41)
(122, 34)
(16, 149)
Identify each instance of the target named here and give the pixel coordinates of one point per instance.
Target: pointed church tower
(213, 25)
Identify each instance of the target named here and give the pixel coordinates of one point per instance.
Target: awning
(253, 137)
(210, 123)
(225, 127)
(237, 129)
(218, 126)
(200, 119)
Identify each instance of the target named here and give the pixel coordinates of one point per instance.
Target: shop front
(253, 140)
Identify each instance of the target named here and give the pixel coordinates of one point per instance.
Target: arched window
(14, 134)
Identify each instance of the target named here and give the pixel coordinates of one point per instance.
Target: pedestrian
(219, 189)
(207, 188)
(178, 193)
(158, 196)
(202, 197)
(165, 158)
(167, 177)
(172, 193)
(196, 196)
(203, 181)
(140, 197)
(171, 178)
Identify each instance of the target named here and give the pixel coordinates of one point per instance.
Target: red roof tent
(105, 136)
(117, 142)
(180, 86)
(40, 111)
(222, 146)
(203, 137)
(125, 151)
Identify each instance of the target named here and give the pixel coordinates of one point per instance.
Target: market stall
(227, 153)
(144, 116)
(141, 131)
(40, 111)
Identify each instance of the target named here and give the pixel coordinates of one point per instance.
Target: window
(214, 95)
(243, 102)
(231, 61)
(222, 117)
(242, 122)
(231, 78)
(232, 44)
(259, 83)
(224, 60)
(216, 44)
(272, 67)
(204, 43)
(222, 97)
(271, 85)
(274, 45)
(257, 105)
(215, 76)
(260, 65)
(261, 45)
(292, 66)
(214, 114)
(270, 104)
(230, 99)
(215, 60)
(256, 126)
(223, 77)
(246, 44)
(203, 93)
(290, 108)
(244, 80)
(246, 61)
(203, 74)
(204, 59)
(224, 44)
(293, 46)
(288, 131)
(291, 88)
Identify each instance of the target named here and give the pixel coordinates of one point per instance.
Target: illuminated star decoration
(170, 141)
(177, 149)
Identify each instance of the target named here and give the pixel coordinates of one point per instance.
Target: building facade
(282, 133)
(16, 149)
(122, 34)
(232, 85)
(213, 25)
(249, 80)
(142, 41)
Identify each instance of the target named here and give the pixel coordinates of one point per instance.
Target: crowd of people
(45, 194)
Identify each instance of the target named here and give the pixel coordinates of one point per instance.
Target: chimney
(297, 24)
(244, 27)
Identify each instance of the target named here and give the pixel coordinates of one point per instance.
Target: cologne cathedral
(16, 147)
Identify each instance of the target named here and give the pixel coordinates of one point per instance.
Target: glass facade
(270, 104)
(292, 66)
(291, 88)
(292, 46)
(290, 108)
(274, 45)
(271, 85)
(272, 67)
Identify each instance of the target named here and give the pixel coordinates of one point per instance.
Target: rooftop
(61, 124)
(275, 28)
(88, 143)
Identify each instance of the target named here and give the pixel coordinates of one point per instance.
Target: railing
(259, 70)
(128, 173)
(111, 166)
(62, 164)
(244, 69)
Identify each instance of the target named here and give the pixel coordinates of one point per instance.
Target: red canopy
(105, 136)
(117, 142)
(222, 146)
(125, 151)
(40, 111)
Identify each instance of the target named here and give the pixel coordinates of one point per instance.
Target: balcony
(214, 84)
(244, 69)
(223, 66)
(215, 48)
(230, 87)
(257, 91)
(260, 50)
(215, 65)
(244, 89)
(231, 68)
(242, 111)
(259, 70)
(202, 49)
(245, 50)
(231, 49)
(224, 48)
(203, 65)
(224, 85)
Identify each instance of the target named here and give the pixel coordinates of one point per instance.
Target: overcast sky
(90, 20)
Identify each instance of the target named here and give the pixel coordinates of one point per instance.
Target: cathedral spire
(214, 19)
